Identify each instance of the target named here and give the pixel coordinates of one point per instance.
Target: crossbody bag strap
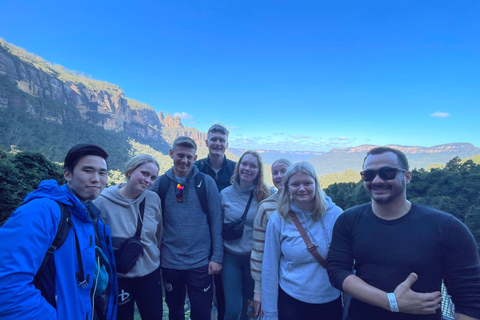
(248, 206)
(310, 246)
(140, 219)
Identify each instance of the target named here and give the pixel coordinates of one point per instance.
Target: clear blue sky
(292, 75)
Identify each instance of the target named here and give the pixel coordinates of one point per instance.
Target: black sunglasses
(386, 173)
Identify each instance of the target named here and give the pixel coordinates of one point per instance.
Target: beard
(392, 191)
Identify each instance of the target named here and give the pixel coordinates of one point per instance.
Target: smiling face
(88, 178)
(217, 143)
(248, 170)
(301, 188)
(278, 174)
(386, 191)
(183, 159)
(142, 177)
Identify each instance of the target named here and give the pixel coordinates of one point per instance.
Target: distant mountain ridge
(339, 160)
(269, 156)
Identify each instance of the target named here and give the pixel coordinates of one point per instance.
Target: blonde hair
(285, 202)
(137, 161)
(261, 190)
(286, 162)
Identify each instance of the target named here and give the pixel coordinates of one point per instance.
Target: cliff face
(53, 93)
(97, 103)
(173, 128)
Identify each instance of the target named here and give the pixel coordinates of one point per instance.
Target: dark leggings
(290, 308)
(146, 291)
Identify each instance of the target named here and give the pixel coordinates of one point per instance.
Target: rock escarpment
(29, 84)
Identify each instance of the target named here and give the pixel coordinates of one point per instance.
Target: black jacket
(222, 178)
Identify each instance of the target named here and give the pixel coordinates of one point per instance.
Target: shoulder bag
(127, 255)
(234, 230)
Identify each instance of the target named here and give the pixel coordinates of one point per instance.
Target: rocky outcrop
(52, 91)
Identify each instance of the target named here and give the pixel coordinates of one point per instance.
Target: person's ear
(67, 175)
(408, 177)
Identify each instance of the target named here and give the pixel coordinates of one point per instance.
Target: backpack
(200, 188)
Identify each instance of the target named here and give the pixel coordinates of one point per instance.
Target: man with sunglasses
(192, 245)
(401, 251)
(217, 166)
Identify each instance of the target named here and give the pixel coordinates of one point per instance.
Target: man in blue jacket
(78, 281)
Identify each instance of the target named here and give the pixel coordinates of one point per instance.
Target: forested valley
(453, 188)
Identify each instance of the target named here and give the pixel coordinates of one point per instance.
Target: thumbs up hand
(410, 301)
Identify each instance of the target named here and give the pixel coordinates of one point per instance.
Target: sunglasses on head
(216, 129)
(385, 173)
(179, 193)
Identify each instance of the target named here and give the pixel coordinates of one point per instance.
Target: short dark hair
(81, 150)
(401, 157)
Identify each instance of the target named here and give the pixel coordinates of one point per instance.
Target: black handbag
(127, 255)
(234, 230)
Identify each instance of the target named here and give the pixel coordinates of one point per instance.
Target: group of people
(297, 255)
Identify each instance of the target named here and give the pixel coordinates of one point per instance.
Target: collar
(224, 163)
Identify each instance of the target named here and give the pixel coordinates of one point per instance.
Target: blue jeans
(237, 284)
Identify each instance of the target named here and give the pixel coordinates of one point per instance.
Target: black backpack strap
(201, 191)
(62, 232)
(44, 279)
(163, 184)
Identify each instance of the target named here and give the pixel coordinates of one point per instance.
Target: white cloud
(295, 136)
(183, 115)
(440, 115)
(338, 138)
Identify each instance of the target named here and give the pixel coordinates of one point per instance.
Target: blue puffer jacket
(24, 240)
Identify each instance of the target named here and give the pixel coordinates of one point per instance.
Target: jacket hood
(113, 194)
(328, 200)
(51, 190)
(239, 189)
(193, 172)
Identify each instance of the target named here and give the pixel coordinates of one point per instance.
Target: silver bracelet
(393, 302)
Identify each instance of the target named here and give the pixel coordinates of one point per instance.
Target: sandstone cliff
(58, 95)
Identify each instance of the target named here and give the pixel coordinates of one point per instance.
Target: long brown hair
(261, 190)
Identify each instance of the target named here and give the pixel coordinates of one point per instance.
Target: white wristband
(393, 302)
